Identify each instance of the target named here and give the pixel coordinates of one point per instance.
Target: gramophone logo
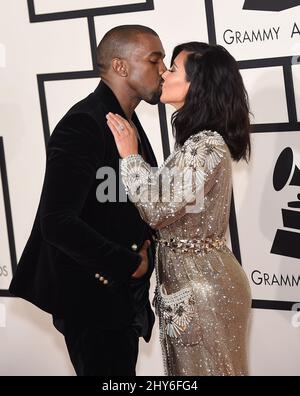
(287, 240)
(270, 5)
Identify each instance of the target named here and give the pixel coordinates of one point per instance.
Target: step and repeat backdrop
(47, 63)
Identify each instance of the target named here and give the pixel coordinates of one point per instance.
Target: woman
(203, 296)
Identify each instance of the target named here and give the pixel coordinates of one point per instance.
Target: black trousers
(97, 352)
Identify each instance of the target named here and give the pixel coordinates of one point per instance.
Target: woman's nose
(164, 75)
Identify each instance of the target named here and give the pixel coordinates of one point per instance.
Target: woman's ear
(120, 67)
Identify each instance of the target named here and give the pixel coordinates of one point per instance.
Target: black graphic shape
(270, 5)
(283, 169)
(210, 22)
(164, 129)
(286, 242)
(295, 204)
(9, 223)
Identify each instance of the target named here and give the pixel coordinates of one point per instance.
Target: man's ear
(120, 67)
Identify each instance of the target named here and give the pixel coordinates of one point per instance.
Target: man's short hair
(117, 42)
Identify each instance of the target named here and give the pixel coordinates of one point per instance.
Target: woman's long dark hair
(216, 99)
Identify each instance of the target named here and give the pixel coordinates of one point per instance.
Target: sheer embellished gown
(202, 295)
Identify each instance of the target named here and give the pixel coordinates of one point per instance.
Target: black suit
(75, 237)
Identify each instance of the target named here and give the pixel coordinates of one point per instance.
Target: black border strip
(9, 222)
(234, 234)
(290, 93)
(5, 293)
(266, 62)
(273, 304)
(93, 41)
(164, 129)
(43, 105)
(210, 22)
(280, 127)
(119, 9)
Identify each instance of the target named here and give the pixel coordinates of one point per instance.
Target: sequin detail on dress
(176, 308)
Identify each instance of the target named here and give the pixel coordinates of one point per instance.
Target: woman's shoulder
(208, 137)
(203, 149)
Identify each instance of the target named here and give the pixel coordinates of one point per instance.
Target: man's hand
(143, 267)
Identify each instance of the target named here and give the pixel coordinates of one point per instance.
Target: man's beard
(155, 98)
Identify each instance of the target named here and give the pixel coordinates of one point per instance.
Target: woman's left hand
(124, 134)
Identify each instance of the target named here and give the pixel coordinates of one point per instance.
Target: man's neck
(128, 101)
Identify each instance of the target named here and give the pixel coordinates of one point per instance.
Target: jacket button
(134, 247)
(101, 279)
(97, 276)
(105, 282)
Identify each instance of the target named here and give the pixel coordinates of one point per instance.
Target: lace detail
(176, 309)
(135, 171)
(203, 150)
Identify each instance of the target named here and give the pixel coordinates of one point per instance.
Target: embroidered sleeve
(163, 195)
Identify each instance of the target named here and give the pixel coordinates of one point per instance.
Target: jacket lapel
(150, 157)
(112, 105)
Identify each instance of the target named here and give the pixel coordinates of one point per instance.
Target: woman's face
(175, 86)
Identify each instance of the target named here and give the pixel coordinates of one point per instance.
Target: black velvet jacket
(74, 236)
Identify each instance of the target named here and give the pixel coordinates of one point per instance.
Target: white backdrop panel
(265, 87)
(249, 34)
(258, 208)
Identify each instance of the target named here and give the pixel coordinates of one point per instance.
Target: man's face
(145, 68)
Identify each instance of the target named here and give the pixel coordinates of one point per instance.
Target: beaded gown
(202, 295)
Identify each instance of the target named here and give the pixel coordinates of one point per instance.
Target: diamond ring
(121, 127)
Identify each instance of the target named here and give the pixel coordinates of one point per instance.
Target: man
(88, 263)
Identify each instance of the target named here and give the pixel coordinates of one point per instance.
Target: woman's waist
(199, 246)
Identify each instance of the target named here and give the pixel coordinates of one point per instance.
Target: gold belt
(194, 245)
